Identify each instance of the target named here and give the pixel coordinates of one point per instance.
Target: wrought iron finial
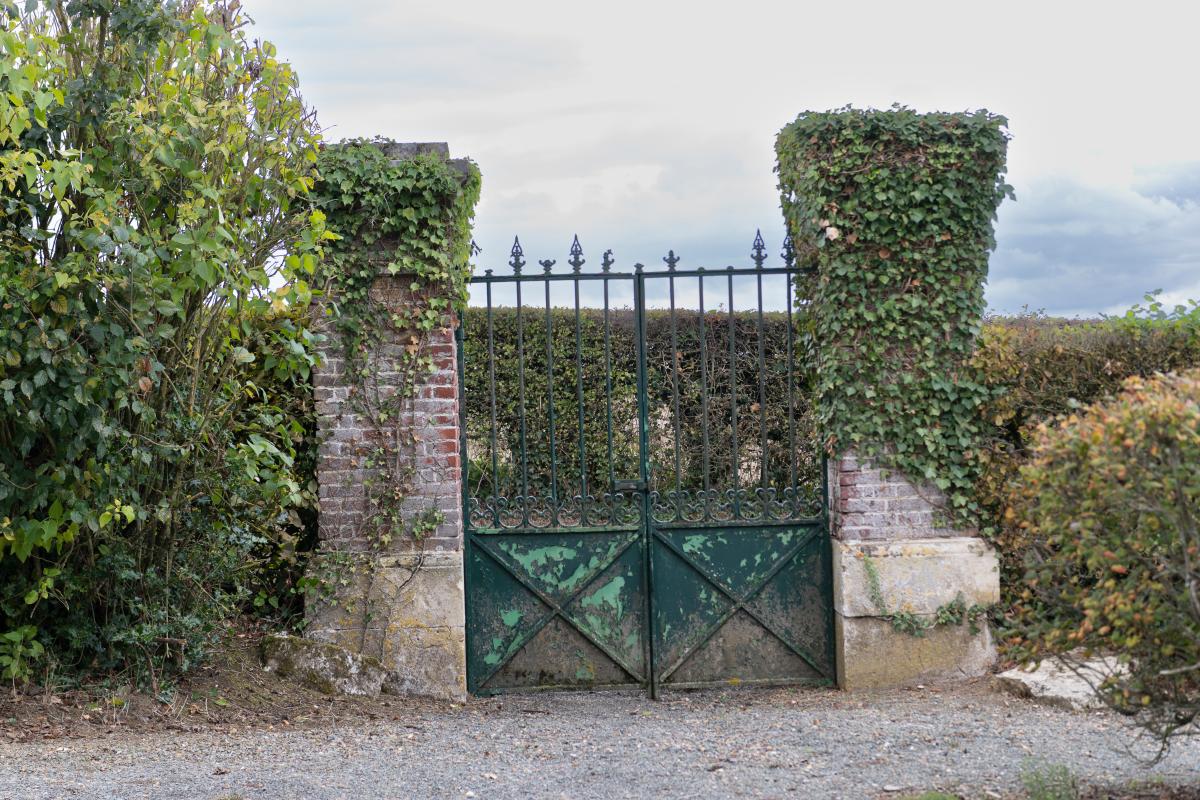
(547, 263)
(517, 261)
(576, 260)
(638, 267)
(759, 252)
(487, 272)
(475, 249)
(606, 261)
(789, 252)
(670, 259)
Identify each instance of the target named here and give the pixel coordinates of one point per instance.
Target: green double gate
(644, 498)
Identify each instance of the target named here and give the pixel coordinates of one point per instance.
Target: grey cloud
(1076, 250)
(1179, 184)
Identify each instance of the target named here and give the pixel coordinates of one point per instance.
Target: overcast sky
(645, 126)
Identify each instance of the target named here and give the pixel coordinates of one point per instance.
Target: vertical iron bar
(550, 408)
(675, 401)
(521, 416)
(704, 399)
(612, 467)
(791, 385)
(583, 482)
(492, 387)
(639, 307)
(737, 504)
(762, 390)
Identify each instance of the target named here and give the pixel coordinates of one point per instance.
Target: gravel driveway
(770, 743)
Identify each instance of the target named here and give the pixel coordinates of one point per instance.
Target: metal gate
(643, 494)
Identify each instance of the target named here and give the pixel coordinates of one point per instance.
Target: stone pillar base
(408, 612)
(872, 579)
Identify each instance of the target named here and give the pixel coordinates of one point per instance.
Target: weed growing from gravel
(1050, 782)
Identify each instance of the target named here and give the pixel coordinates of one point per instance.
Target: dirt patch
(230, 693)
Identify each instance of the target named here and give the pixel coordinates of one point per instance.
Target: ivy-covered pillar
(893, 212)
(388, 581)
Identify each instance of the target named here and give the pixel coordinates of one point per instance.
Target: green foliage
(18, 650)
(1111, 503)
(893, 211)
(1040, 368)
(156, 165)
(1050, 782)
(280, 395)
(410, 219)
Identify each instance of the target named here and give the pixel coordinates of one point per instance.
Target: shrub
(1038, 368)
(1111, 503)
(156, 166)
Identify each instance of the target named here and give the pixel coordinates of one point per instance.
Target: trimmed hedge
(1040, 368)
(788, 423)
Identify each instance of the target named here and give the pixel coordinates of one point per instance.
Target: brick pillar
(403, 603)
(892, 546)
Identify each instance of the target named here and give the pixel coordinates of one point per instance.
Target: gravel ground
(769, 743)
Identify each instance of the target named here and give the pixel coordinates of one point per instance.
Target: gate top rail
(517, 263)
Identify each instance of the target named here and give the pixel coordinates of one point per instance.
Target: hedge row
(1034, 367)
(772, 404)
(1040, 368)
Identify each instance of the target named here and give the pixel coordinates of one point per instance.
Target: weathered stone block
(408, 612)
(871, 654)
(1068, 682)
(323, 666)
(916, 575)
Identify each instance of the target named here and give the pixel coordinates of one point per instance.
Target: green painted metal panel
(555, 610)
(741, 605)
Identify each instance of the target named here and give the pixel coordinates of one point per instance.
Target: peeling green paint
(511, 618)
(562, 568)
(607, 595)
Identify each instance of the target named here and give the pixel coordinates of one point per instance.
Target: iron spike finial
(547, 263)
(789, 252)
(639, 267)
(517, 261)
(606, 261)
(759, 252)
(576, 260)
(475, 249)
(670, 259)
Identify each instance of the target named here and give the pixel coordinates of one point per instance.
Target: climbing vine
(893, 211)
(956, 612)
(408, 218)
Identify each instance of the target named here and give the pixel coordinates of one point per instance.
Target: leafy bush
(156, 167)
(1111, 503)
(1039, 368)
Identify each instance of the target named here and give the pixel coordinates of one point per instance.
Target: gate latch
(629, 486)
